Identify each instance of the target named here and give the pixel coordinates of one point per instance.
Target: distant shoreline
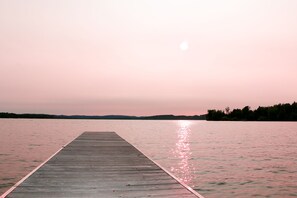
(104, 117)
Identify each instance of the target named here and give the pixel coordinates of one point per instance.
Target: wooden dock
(100, 164)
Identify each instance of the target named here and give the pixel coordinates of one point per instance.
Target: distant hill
(174, 117)
(279, 112)
(108, 117)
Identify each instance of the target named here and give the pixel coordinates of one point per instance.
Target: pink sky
(123, 57)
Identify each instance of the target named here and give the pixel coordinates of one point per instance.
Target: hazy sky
(145, 57)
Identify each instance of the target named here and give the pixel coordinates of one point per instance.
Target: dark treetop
(279, 112)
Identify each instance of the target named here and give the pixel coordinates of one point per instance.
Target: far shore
(104, 117)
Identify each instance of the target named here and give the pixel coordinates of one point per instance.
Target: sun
(184, 46)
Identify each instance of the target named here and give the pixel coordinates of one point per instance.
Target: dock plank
(100, 164)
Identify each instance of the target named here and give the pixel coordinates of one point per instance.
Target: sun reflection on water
(182, 152)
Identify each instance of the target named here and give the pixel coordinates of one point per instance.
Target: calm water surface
(218, 159)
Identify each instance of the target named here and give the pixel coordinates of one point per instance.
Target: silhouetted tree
(215, 115)
(279, 112)
(227, 110)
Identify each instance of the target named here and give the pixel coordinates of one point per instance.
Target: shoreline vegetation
(105, 117)
(279, 112)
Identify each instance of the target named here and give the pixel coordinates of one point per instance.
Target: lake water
(218, 159)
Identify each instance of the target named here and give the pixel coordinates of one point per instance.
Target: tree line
(279, 112)
(115, 117)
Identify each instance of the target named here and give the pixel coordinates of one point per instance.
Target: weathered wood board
(100, 164)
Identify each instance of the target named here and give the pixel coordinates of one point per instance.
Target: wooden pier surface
(100, 164)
